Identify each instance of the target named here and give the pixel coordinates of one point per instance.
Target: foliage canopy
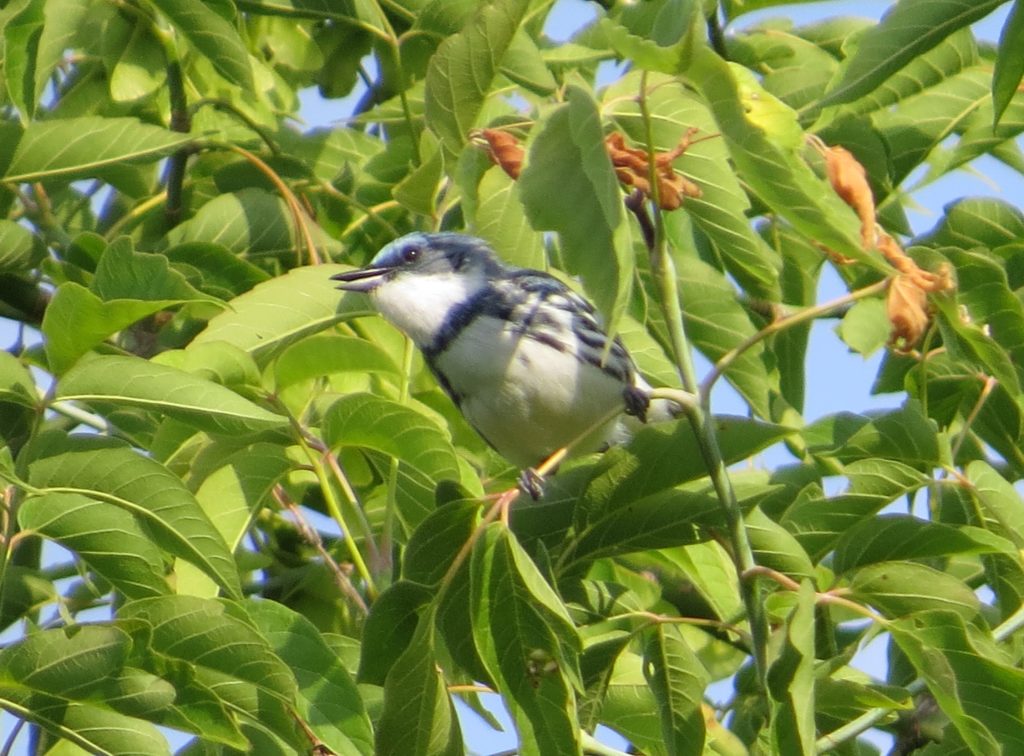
(277, 530)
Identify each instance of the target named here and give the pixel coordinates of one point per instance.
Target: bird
(523, 357)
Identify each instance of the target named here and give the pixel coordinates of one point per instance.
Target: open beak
(362, 279)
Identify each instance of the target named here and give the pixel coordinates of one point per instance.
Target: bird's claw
(531, 483)
(637, 401)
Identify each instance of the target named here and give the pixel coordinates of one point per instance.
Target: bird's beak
(362, 279)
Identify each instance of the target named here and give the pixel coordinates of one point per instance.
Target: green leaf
(107, 470)
(668, 518)
(865, 327)
(419, 190)
(985, 290)
(141, 68)
(664, 455)
(791, 680)
(776, 173)
(212, 35)
(282, 311)
(527, 643)
(1009, 64)
(977, 222)
(62, 681)
(207, 634)
(1000, 504)
(20, 249)
(136, 382)
(909, 29)
(327, 354)
(108, 538)
(498, 217)
(63, 20)
(71, 665)
(328, 700)
(22, 32)
(436, 541)
(524, 64)
(970, 678)
(418, 718)
(718, 323)
(77, 147)
(239, 484)
(461, 72)
(654, 36)
(569, 186)
(895, 536)
(393, 428)
(776, 547)
(77, 320)
(677, 679)
(915, 127)
(900, 589)
(818, 521)
(123, 273)
(214, 269)
(391, 627)
(251, 222)
(16, 383)
(905, 435)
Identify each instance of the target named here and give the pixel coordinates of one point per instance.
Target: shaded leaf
(677, 679)
(893, 536)
(328, 700)
(968, 676)
(791, 680)
(1009, 65)
(569, 186)
(418, 718)
(462, 69)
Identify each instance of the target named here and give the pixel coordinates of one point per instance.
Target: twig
(663, 269)
(801, 316)
(313, 538)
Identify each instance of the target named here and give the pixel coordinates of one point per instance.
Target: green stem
(334, 509)
(699, 415)
(392, 493)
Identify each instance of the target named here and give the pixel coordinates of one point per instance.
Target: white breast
(419, 305)
(525, 397)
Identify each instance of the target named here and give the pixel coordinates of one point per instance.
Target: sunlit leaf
(135, 382)
(212, 35)
(107, 470)
(76, 147)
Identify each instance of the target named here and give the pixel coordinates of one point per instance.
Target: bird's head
(416, 281)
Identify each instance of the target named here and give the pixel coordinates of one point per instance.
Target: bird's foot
(637, 401)
(531, 483)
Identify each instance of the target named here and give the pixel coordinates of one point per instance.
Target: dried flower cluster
(633, 167)
(632, 164)
(907, 300)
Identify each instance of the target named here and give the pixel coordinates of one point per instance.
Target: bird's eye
(411, 254)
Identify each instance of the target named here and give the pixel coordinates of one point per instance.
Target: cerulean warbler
(522, 356)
